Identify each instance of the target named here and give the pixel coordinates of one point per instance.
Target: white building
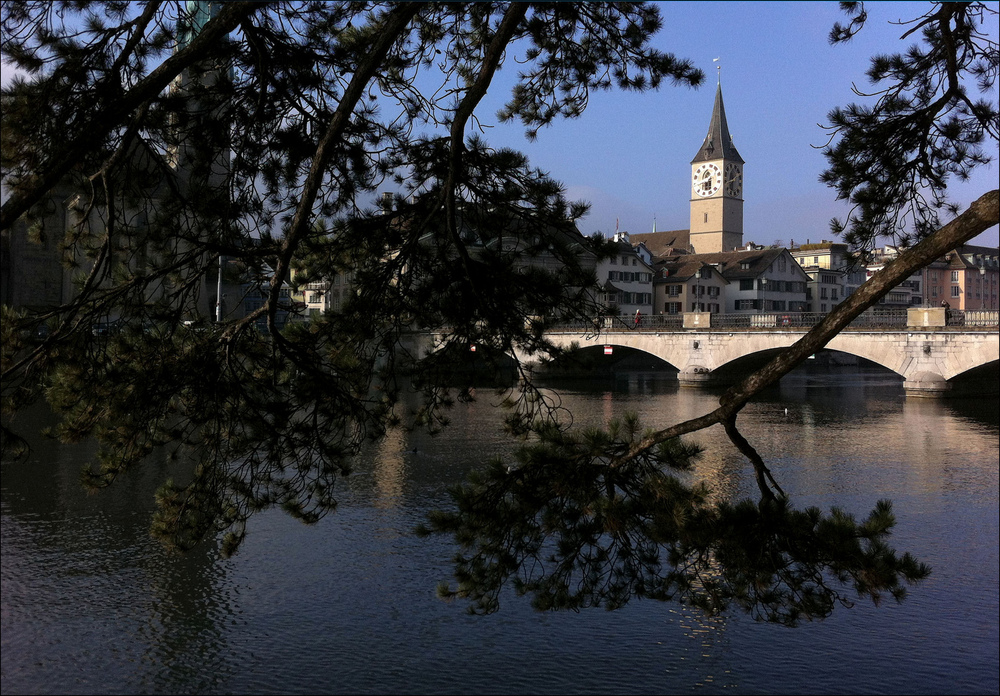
(626, 280)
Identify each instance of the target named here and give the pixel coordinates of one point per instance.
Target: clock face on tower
(707, 180)
(734, 180)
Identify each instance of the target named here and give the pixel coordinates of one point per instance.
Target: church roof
(733, 265)
(660, 243)
(718, 143)
(684, 268)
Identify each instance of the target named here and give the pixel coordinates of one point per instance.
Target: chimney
(386, 202)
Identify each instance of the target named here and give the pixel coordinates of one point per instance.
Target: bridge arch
(596, 355)
(981, 380)
(927, 359)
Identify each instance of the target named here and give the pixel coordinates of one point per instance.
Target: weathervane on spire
(718, 69)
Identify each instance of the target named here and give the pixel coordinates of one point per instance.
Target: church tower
(717, 188)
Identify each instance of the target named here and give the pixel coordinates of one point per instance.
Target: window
(815, 260)
(672, 307)
(956, 291)
(833, 293)
(745, 265)
(674, 290)
(746, 284)
(635, 262)
(706, 217)
(713, 308)
(954, 276)
(713, 292)
(746, 304)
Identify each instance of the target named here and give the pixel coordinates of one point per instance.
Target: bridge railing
(878, 318)
(974, 317)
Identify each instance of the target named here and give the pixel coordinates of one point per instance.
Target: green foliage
(268, 149)
(892, 161)
(575, 522)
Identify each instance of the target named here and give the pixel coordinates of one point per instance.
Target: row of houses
(662, 278)
(650, 275)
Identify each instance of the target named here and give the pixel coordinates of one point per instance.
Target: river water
(90, 604)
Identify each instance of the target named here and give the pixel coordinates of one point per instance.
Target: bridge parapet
(937, 318)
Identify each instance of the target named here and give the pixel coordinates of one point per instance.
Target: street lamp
(982, 287)
(218, 294)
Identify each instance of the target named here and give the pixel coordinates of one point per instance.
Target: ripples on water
(90, 604)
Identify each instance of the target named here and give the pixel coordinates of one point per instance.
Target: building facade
(752, 280)
(833, 273)
(687, 284)
(626, 280)
(966, 278)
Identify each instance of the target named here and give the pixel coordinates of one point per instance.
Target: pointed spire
(718, 143)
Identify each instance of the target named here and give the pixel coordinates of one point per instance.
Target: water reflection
(390, 469)
(91, 604)
(88, 597)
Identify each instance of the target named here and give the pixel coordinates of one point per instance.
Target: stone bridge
(937, 353)
(930, 361)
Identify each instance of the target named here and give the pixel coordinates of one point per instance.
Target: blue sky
(629, 154)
